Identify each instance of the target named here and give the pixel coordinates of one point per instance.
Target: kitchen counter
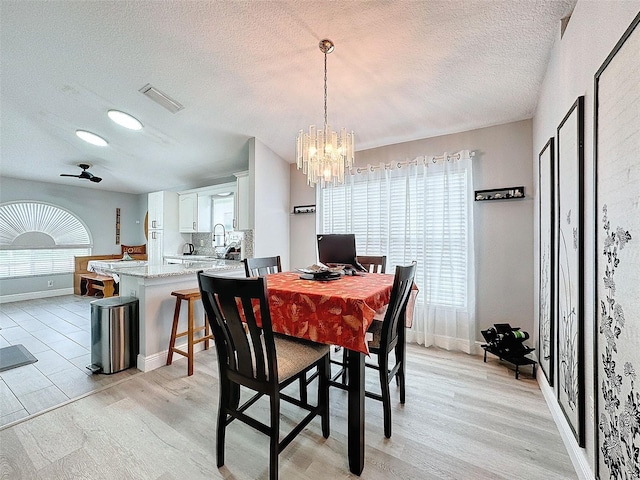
(178, 269)
(152, 285)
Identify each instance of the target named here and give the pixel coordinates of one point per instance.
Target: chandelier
(323, 154)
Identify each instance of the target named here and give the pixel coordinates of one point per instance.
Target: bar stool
(190, 295)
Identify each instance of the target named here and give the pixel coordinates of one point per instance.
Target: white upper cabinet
(202, 208)
(188, 213)
(155, 208)
(163, 236)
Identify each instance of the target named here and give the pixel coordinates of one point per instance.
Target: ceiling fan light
(91, 138)
(124, 120)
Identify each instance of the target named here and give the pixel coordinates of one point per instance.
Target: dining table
(334, 312)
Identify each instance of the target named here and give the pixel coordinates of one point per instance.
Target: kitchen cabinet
(155, 208)
(242, 219)
(188, 213)
(155, 247)
(163, 235)
(204, 214)
(202, 208)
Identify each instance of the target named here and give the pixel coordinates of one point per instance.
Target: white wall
(594, 29)
(303, 226)
(269, 174)
(96, 208)
(503, 229)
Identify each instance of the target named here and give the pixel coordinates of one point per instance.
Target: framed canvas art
(569, 291)
(547, 255)
(617, 256)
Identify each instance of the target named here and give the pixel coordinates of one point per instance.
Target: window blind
(39, 239)
(422, 218)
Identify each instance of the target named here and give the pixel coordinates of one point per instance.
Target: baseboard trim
(18, 297)
(444, 342)
(157, 360)
(577, 454)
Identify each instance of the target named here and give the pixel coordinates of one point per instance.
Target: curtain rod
(425, 159)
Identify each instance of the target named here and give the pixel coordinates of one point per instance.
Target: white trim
(159, 359)
(577, 455)
(18, 297)
(446, 343)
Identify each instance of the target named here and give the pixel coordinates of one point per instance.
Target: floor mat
(15, 356)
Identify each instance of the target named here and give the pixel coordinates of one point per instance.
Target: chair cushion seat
(376, 329)
(294, 355)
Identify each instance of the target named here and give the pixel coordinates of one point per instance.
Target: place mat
(15, 356)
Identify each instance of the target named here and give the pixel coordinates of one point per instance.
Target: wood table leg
(356, 411)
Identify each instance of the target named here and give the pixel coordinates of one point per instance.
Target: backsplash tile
(203, 243)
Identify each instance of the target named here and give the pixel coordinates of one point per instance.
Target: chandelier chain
(325, 89)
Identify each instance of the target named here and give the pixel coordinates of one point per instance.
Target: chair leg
(383, 364)
(207, 331)
(190, 329)
(222, 422)
(274, 442)
(174, 331)
(303, 388)
(400, 377)
(323, 394)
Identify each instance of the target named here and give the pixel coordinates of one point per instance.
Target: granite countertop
(176, 269)
(193, 257)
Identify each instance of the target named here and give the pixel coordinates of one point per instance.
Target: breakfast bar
(152, 285)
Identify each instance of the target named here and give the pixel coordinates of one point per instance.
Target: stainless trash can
(114, 334)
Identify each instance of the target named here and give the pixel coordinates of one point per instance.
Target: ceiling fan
(84, 174)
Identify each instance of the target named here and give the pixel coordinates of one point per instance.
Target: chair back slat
(373, 263)
(394, 317)
(230, 304)
(257, 267)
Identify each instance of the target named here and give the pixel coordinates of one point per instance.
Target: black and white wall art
(546, 339)
(569, 291)
(617, 239)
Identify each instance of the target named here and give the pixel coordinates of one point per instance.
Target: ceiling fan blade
(84, 174)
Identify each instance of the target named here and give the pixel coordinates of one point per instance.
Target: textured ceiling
(401, 71)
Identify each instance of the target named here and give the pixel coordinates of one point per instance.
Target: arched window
(40, 239)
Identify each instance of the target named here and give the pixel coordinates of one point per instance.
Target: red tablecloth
(337, 312)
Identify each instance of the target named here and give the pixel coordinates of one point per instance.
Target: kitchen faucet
(224, 235)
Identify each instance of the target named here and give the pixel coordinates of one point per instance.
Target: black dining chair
(259, 360)
(373, 263)
(388, 336)
(255, 267)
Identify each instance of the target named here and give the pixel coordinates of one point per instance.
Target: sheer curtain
(418, 210)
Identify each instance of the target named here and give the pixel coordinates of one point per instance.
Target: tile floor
(57, 331)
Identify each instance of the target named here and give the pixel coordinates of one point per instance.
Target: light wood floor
(463, 419)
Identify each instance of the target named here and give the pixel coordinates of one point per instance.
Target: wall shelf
(508, 193)
(304, 209)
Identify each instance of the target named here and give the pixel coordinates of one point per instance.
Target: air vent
(161, 98)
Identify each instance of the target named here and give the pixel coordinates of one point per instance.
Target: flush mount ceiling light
(125, 120)
(322, 154)
(91, 138)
